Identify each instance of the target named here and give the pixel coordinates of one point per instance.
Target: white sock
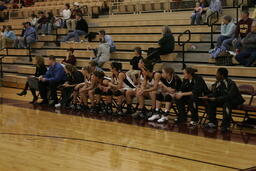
(157, 109)
(166, 111)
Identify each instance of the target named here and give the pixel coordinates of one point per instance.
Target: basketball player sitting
(81, 88)
(147, 89)
(119, 84)
(169, 84)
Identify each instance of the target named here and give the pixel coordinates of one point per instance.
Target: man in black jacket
(224, 94)
(81, 29)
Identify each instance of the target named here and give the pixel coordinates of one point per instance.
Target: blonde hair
(39, 61)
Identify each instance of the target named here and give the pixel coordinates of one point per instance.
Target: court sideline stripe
(122, 146)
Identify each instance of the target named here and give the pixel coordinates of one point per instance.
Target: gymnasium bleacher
(128, 29)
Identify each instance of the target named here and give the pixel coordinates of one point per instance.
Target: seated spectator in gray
(8, 37)
(81, 29)
(247, 57)
(228, 28)
(103, 53)
(108, 39)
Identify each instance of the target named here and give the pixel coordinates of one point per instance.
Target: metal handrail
(209, 18)
(1, 66)
(182, 43)
(180, 35)
(211, 22)
(237, 9)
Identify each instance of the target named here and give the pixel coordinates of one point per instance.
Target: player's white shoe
(153, 117)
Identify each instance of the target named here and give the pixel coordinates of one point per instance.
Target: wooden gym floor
(38, 138)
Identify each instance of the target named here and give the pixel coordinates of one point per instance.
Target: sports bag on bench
(224, 58)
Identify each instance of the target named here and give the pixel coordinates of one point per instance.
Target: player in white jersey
(120, 83)
(147, 89)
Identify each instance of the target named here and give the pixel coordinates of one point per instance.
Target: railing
(182, 44)
(211, 22)
(1, 67)
(238, 5)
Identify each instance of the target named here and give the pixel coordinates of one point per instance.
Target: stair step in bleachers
(119, 45)
(23, 52)
(233, 70)
(22, 69)
(213, 61)
(115, 55)
(9, 60)
(238, 81)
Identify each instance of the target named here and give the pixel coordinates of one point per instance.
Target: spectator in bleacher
(66, 14)
(103, 53)
(70, 58)
(166, 46)
(54, 77)
(134, 63)
(33, 20)
(224, 93)
(71, 23)
(247, 57)
(254, 14)
(197, 14)
(9, 37)
(204, 4)
(2, 30)
(28, 37)
(18, 38)
(42, 21)
(228, 28)
(2, 6)
(215, 6)
(81, 29)
(28, 3)
(193, 87)
(32, 82)
(48, 25)
(242, 29)
(74, 77)
(108, 39)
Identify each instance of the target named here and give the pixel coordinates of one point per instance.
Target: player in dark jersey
(148, 89)
(102, 94)
(193, 87)
(79, 89)
(169, 84)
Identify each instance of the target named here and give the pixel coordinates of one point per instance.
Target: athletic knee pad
(159, 97)
(118, 93)
(107, 93)
(168, 98)
(97, 91)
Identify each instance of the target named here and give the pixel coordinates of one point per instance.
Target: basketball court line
(121, 146)
(199, 132)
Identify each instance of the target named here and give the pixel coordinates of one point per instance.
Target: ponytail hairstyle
(138, 50)
(191, 71)
(168, 70)
(87, 69)
(116, 65)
